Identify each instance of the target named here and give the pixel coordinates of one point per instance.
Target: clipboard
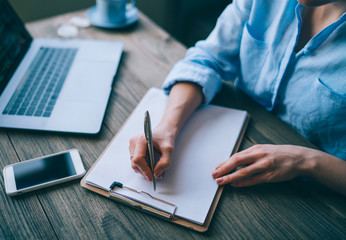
(169, 216)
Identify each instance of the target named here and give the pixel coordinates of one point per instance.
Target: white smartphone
(43, 172)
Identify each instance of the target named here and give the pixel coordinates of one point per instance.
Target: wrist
(169, 129)
(309, 163)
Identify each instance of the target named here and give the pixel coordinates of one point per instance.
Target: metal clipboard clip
(164, 213)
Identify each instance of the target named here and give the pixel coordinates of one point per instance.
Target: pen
(149, 137)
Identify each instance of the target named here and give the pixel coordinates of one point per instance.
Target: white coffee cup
(113, 13)
(113, 10)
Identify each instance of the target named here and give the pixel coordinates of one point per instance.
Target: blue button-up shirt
(253, 42)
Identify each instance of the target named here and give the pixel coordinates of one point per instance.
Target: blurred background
(187, 20)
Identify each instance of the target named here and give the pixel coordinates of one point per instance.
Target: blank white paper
(207, 139)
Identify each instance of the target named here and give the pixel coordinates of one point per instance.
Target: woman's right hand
(183, 99)
(163, 140)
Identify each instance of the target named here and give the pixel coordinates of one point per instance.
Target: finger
(134, 141)
(132, 144)
(249, 150)
(161, 176)
(246, 151)
(164, 163)
(260, 178)
(161, 167)
(136, 169)
(140, 165)
(233, 162)
(137, 148)
(242, 174)
(139, 159)
(219, 165)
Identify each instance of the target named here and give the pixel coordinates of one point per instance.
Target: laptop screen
(14, 42)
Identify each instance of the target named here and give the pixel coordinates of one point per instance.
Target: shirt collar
(317, 40)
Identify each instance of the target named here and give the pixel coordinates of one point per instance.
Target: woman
(290, 58)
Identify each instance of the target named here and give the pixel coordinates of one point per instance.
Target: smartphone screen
(43, 170)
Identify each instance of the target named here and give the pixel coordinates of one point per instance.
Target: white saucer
(101, 21)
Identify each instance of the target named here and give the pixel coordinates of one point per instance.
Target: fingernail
(219, 165)
(215, 173)
(219, 180)
(157, 175)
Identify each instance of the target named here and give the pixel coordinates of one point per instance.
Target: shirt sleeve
(217, 58)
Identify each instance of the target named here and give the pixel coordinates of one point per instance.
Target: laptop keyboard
(38, 91)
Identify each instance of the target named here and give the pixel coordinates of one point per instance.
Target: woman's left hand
(263, 163)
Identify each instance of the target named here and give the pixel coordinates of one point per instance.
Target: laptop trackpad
(77, 117)
(88, 81)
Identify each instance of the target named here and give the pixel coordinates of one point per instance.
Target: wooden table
(297, 209)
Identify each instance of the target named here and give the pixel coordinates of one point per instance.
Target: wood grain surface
(299, 209)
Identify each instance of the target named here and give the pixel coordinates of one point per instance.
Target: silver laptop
(53, 84)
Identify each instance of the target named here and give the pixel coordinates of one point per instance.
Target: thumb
(164, 162)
